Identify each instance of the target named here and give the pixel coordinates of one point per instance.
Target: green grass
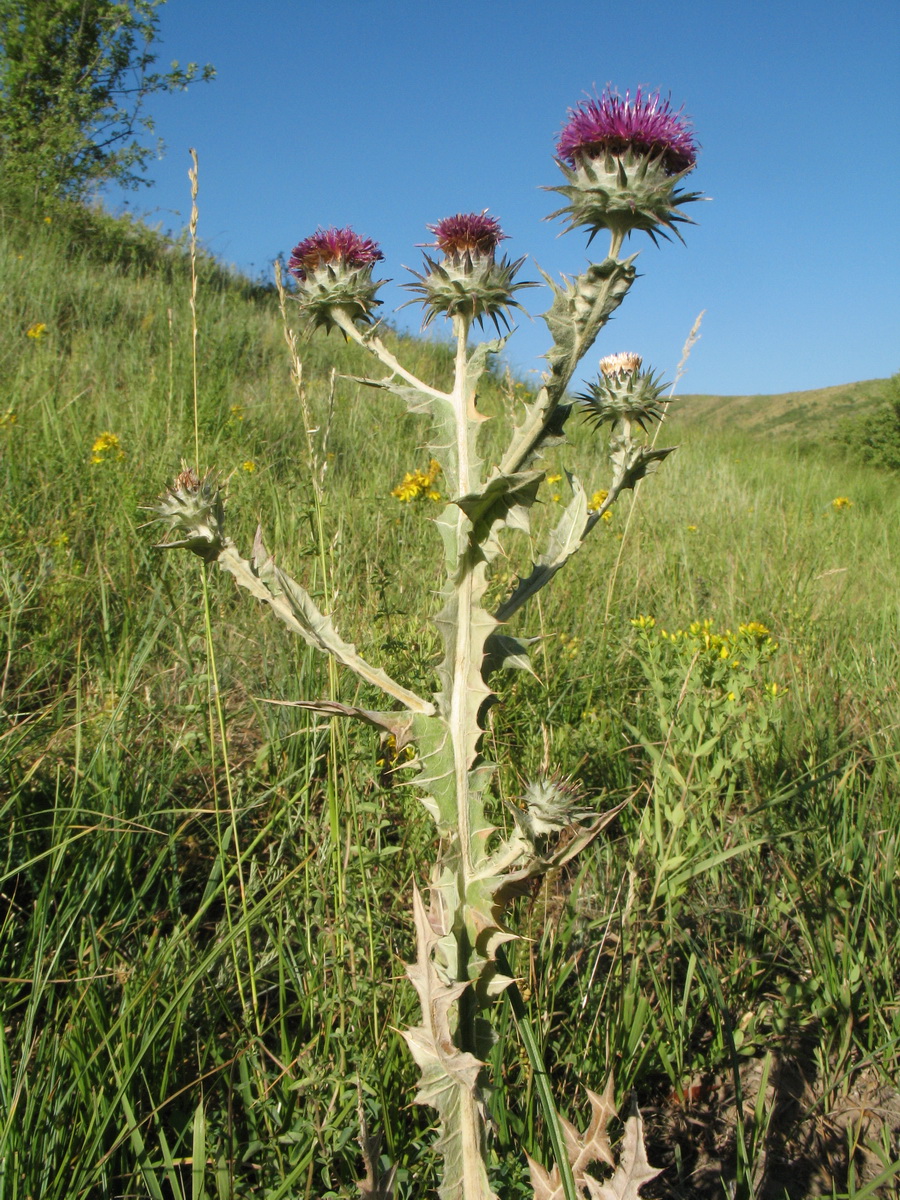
(202, 942)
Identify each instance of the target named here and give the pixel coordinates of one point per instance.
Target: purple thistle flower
(468, 233)
(469, 281)
(332, 245)
(647, 125)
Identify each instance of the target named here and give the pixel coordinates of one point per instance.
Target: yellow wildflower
(417, 485)
(754, 629)
(554, 478)
(249, 466)
(692, 528)
(841, 502)
(237, 412)
(106, 448)
(408, 489)
(643, 622)
(36, 331)
(597, 499)
(8, 418)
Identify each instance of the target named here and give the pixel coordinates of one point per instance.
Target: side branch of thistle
(371, 342)
(580, 309)
(194, 509)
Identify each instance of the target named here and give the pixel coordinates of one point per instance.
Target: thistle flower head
(193, 508)
(332, 246)
(468, 281)
(626, 362)
(552, 804)
(623, 392)
(333, 269)
(623, 159)
(468, 233)
(646, 125)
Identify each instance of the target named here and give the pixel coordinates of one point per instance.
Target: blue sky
(389, 116)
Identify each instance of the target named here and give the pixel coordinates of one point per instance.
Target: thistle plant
(622, 162)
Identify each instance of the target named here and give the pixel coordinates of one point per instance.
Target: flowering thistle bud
(468, 281)
(552, 804)
(623, 160)
(333, 269)
(624, 393)
(193, 508)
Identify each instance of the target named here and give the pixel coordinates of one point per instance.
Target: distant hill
(814, 414)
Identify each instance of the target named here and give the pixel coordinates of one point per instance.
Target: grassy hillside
(202, 937)
(812, 415)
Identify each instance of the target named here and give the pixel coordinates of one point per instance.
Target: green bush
(874, 439)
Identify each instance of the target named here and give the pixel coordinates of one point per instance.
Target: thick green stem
(462, 659)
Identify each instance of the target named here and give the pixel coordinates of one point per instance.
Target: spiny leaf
(581, 307)
(449, 1080)
(479, 361)
(500, 492)
(399, 725)
(565, 539)
(504, 652)
(503, 502)
(415, 400)
(631, 462)
(546, 1184)
(582, 1150)
(633, 1170)
(445, 1067)
(593, 1145)
(293, 605)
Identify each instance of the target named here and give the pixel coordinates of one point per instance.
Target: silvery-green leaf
(294, 606)
(565, 539)
(502, 652)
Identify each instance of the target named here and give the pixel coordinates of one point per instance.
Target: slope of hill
(809, 415)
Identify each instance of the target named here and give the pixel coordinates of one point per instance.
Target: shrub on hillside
(875, 437)
(74, 76)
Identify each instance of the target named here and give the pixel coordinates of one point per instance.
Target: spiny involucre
(333, 268)
(468, 281)
(623, 159)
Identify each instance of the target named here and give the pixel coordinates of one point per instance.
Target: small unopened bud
(624, 393)
(194, 511)
(552, 804)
